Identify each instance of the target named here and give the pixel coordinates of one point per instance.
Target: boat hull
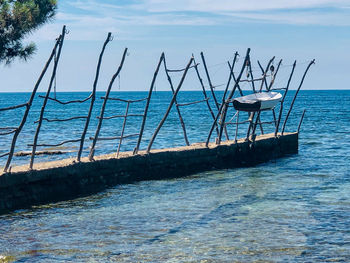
(257, 101)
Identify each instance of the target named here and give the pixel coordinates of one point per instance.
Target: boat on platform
(257, 101)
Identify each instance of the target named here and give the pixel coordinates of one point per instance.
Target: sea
(293, 209)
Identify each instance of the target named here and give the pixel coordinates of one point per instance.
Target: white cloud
(95, 16)
(238, 5)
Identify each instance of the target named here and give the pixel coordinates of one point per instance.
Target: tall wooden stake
(226, 103)
(284, 96)
(296, 94)
(123, 128)
(93, 96)
(136, 150)
(46, 98)
(209, 81)
(205, 93)
(29, 104)
(220, 111)
(170, 106)
(176, 105)
(92, 150)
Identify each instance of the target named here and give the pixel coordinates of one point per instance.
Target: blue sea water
(294, 209)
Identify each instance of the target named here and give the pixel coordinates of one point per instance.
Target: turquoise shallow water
(294, 209)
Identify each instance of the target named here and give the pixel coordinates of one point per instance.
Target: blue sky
(289, 29)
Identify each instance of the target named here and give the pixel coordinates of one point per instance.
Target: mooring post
(46, 97)
(176, 105)
(29, 104)
(136, 150)
(284, 96)
(296, 94)
(93, 96)
(92, 150)
(225, 105)
(170, 106)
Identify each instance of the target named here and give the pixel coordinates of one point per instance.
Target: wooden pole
(274, 76)
(170, 106)
(263, 81)
(209, 81)
(222, 105)
(205, 93)
(301, 120)
(147, 104)
(251, 75)
(93, 96)
(225, 107)
(29, 104)
(236, 133)
(296, 94)
(92, 150)
(284, 96)
(46, 97)
(264, 74)
(176, 105)
(123, 129)
(223, 100)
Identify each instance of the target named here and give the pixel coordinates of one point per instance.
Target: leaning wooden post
(222, 104)
(255, 124)
(223, 98)
(233, 75)
(46, 98)
(93, 97)
(274, 76)
(170, 106)
(284, 96)
(123, 128)
(176, 105)
(209, 81)
(100, 120)
(301, 120)
(29, 104)
(264, 73)
(251, 75)
(224, 110)
(136, 150)
(263, 80)
(296, 94)
(205, 93)
(236, 133)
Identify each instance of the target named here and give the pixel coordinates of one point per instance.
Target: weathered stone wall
(22, 189)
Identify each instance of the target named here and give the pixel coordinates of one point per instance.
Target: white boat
(257, 101)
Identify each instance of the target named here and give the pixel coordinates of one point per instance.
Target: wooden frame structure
(217, 109)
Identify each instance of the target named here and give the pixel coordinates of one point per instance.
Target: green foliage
(18, 18)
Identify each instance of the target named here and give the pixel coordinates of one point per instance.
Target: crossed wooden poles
(218, 114)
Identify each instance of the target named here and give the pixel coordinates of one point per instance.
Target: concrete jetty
(68, 179)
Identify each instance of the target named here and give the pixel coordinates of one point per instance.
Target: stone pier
(67, 179)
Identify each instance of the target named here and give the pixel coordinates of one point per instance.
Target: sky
(291, 30)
